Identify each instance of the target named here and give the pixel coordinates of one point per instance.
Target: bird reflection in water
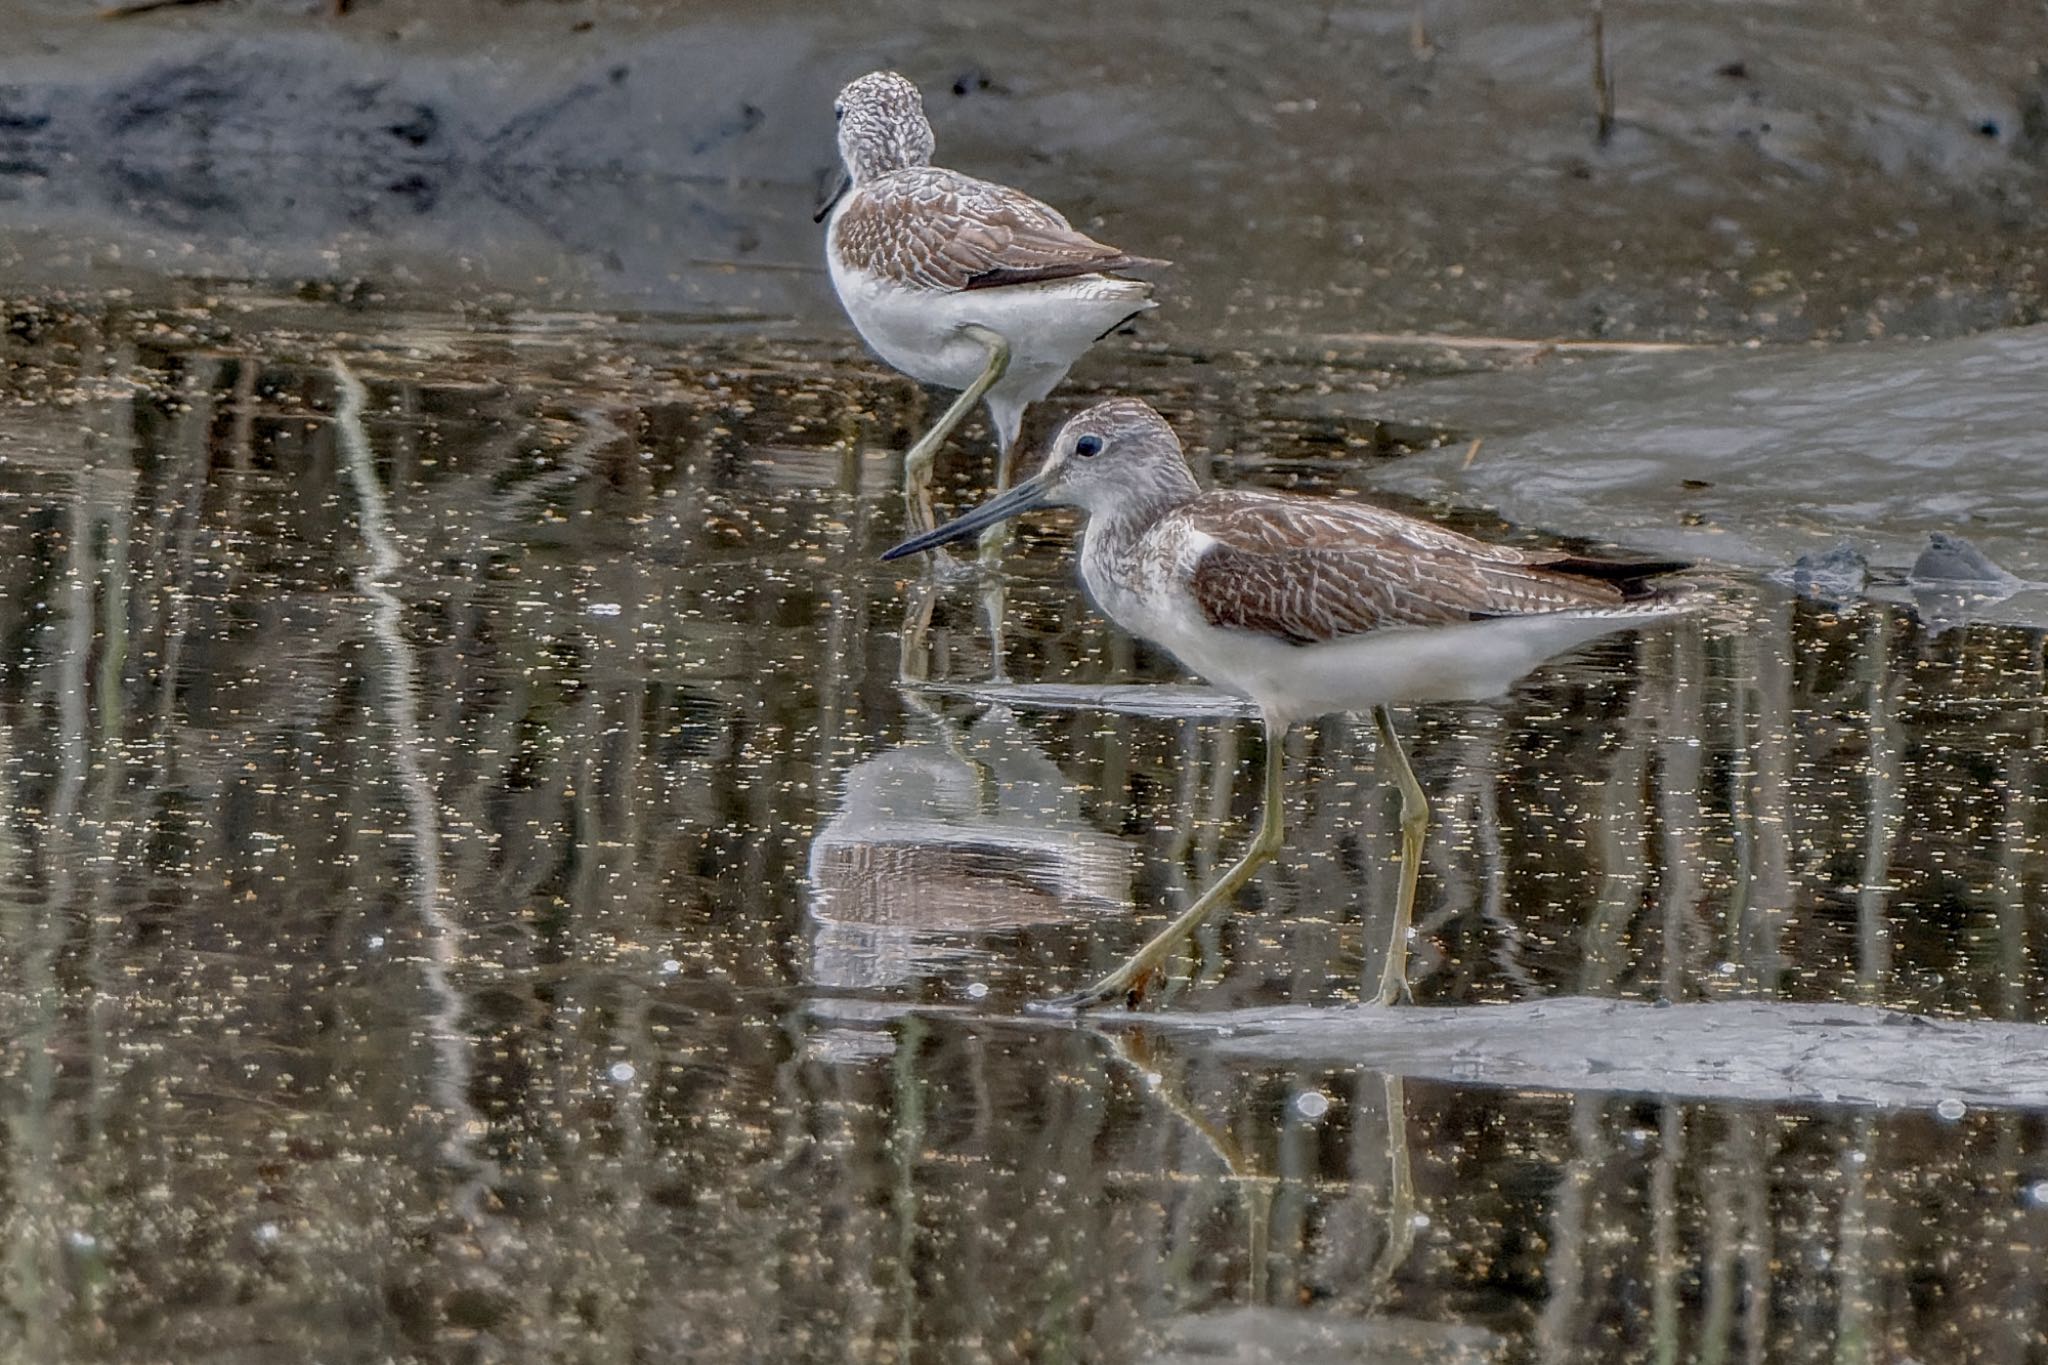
(951, 836)
(1276, 1325)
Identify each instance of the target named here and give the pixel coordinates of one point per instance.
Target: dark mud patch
(1762, 172)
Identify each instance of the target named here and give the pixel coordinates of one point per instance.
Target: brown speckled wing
(1307, 570)
(938, 229)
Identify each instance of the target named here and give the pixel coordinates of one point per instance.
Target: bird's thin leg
(913, 660)
(1127, 983)
(997, 536)
(1414, 824)
(1005, 418)
(994, 598)
(918, 461)
(1006, 465)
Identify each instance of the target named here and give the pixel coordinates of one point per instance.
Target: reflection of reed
(439, 935)
(204, 837)
(35, 1275)
(1569, 1231)
(1881, 817)
(1766, 886)
(2018, 876)
(1681, 816)
(1619, 832)
(1666, 1265)
(1854, 1272)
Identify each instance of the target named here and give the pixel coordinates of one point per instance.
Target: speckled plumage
(1306, 606)
(1314, 605)
(922, 256)
(926, 227)
(1313, 570)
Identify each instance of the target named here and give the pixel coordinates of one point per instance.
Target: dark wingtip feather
(1632, 576)
(1063, 270)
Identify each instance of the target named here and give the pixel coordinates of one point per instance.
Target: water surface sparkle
(562, 938)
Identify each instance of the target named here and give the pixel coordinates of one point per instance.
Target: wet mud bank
(1317, 171)
(1756, 457)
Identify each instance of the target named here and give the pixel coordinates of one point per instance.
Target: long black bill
(1027, 496)
(824, 210)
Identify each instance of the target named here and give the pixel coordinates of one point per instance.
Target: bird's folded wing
(947, 231)
(1313, 571)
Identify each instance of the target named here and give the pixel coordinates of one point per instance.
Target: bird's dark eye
(839, 113)
(1088, 447)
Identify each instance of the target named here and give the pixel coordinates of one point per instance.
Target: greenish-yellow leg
(1414, 825)
(992, 542)
(913, 660)
(1127, 983)
(997, 536)
(918, 461)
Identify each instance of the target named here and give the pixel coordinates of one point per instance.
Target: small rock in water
(1951, 559)
(1953, 580)
(1840, 573)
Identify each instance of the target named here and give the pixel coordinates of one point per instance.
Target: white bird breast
(1048, 326)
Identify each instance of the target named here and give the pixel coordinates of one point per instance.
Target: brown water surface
(475, 889)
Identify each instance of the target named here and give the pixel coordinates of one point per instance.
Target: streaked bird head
(882, 126)
(1118, 458)
(1115, 455)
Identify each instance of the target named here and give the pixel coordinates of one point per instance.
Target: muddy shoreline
(1817, 173)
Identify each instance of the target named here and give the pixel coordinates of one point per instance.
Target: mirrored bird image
(959, 282)
(1306, 606)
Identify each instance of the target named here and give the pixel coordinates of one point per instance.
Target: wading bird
(960, 282)
(1306, 606)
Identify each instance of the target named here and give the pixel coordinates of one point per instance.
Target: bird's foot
(1394, 993)
(947, 567)
(1125, 987)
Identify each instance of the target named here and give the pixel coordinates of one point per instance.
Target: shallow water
(483, 894)
(1755, 456)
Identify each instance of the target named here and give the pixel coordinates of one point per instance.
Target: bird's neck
(1115, 528)
(876, 162)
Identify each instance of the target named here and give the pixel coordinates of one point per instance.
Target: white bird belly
(1048, 326)
(1465, 662)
